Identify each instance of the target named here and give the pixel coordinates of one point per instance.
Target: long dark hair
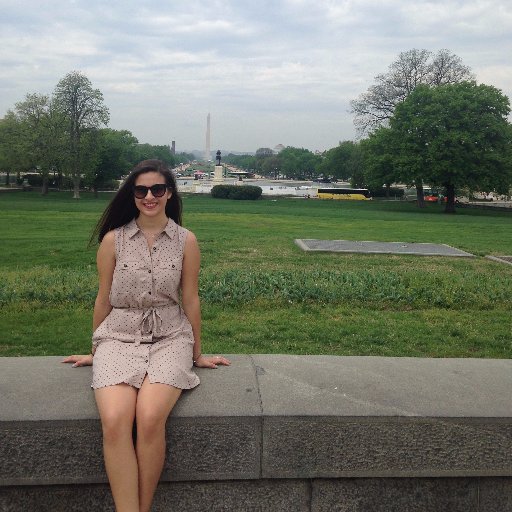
(122, 209)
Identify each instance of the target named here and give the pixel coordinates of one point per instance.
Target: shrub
(34, 180)
(236, 192)
(220, 191)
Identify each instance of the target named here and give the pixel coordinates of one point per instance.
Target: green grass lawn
(260, 292)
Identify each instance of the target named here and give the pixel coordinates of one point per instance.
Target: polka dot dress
(147, 331)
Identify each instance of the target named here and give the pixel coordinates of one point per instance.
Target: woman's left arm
(190, 301)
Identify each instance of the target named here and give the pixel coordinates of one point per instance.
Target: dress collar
(132, 229)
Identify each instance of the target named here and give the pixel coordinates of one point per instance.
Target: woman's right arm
(106, 262)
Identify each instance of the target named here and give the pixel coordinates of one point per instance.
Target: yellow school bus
(353, 194)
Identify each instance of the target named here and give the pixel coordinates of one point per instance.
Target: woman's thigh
(155, 402)
(116, 405)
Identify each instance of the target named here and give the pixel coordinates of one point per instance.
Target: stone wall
(276, 433)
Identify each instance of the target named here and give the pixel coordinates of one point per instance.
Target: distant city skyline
(268, 73)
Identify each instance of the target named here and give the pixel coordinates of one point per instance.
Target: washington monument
(207, 151)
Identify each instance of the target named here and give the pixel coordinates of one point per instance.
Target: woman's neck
(152, 223)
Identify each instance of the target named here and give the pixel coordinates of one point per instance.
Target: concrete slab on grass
(501, 259)
(368, 247)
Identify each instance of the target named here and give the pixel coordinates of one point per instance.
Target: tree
(12, 157)
(184, 158)
(148, 151)
(342, 162)
(298, 163)
(454, 135)
(40, 135)
(247, 162)
(117, 153)
(375, 107)
(84, 110)
(260, 156)
(271, 166)
(380, 169)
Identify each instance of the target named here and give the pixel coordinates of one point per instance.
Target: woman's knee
(116, 405)
(116, 425)
(150, 423)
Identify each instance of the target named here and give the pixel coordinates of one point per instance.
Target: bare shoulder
(110, 237)
(107, 246)
(191, 238)
(191, 253)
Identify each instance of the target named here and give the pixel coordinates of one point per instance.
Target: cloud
(280, 69)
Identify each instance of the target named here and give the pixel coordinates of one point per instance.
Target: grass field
(260, 292)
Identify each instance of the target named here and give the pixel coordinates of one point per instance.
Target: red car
(434, 197)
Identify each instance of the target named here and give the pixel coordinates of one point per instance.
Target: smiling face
(150, 205)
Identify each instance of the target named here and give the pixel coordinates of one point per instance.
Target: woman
(144, 342)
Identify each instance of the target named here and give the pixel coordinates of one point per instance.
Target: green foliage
(344, 162)
(63, 134)
(12, 150)
(236, 192)
(454, 136)
(183, 158)
(298, 163)
(272, 166)
(83, 110)
(370, 288)
(260, 293)
(380, 167)
(149, 151)
(451, 136)
(117, 154)
(247, 162)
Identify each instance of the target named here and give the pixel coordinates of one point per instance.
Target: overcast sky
(269, 72)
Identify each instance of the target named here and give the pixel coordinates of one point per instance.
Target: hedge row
(236, 192)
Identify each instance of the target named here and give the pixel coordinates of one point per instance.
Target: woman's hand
(79, 360)
(211, 362)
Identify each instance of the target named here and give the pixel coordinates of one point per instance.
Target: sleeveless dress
(147, 331)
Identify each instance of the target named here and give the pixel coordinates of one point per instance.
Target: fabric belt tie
(151, 321)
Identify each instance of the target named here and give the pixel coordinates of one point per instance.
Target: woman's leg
(116, 405)
(154, 404)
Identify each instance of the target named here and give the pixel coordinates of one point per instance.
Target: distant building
(278, 149)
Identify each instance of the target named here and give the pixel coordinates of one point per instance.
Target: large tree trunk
(7, 178)
(388, 189)
(419, 196)
(76, 186)
(44, 188)
(450, 198)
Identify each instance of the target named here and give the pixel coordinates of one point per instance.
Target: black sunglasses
(157, 190)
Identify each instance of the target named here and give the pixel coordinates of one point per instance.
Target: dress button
(154, 248)
(150, 332)
(149, 293)
(149, 271)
